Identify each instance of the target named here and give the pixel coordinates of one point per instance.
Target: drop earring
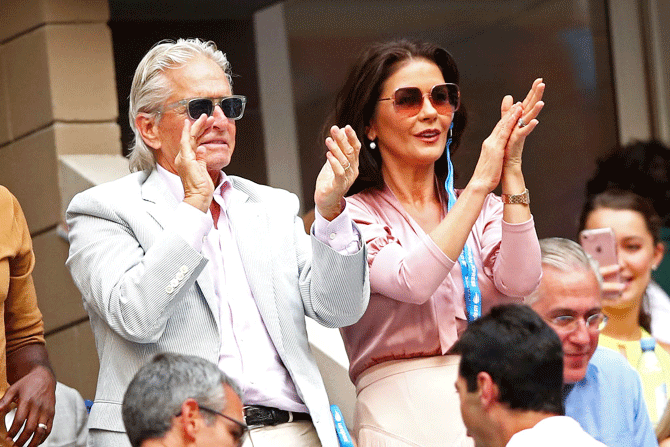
(373, 145)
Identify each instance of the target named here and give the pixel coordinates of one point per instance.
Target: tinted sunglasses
(408, 101)
(232, 106)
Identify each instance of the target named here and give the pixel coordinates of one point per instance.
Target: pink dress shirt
(417, 305)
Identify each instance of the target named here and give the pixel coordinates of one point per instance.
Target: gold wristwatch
(524, 198)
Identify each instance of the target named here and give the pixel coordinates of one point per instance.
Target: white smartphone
(600, 243)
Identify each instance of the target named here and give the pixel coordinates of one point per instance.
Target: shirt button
(179, 276)
(332, 236)
(184, 268)
(174, 283)
(169, 289)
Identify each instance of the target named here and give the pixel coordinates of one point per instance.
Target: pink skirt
(410, 403)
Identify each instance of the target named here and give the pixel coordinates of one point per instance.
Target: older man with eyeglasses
(181, 257)
(181, 401)
(602, 392)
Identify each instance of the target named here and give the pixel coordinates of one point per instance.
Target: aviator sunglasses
(232, 106)
(408, 101)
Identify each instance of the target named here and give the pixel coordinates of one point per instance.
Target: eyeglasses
(240, 437)
(570, 323)
(408, 101)
(232, 106)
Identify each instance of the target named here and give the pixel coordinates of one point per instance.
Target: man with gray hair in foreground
(602, 392)
(181, 400)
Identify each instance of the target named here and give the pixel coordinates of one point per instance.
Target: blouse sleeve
(407, 274)
(510, 252)
(23, 319)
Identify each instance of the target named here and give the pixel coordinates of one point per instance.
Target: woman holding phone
(639, 251)
(438, 257)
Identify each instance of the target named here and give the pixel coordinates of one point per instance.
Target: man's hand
(34, 391)
(339, 171)
(191, 165)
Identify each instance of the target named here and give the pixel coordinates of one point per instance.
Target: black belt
(258, 415)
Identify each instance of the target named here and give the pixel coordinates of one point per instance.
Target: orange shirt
(21, 322)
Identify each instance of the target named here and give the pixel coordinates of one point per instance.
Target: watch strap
(524, 198)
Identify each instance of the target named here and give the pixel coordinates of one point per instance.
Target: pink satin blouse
(417, 306)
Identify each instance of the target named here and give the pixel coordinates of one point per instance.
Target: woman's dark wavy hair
(357, 101)
(619, 199)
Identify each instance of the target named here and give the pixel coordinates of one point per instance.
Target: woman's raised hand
(489, 166)
(612, 285)
(339, 171)
(531, 105)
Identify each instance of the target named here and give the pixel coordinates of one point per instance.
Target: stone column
(57, 98)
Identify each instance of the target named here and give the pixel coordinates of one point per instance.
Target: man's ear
(147, 126)
(189, 419)
(487, 388)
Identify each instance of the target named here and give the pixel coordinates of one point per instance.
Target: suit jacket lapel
(249, 221)
(159, 201)
(160, 204)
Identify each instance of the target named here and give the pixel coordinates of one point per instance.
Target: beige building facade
(57, 98)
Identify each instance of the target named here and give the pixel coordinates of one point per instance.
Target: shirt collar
(224, 189)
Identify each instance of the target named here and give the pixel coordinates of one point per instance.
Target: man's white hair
(566, 256)
(151, 88)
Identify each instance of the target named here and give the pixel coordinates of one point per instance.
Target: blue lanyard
(473, 296)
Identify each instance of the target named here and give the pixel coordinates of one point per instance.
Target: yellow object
(632, 351)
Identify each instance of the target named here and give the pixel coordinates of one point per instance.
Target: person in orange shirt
(26, 377)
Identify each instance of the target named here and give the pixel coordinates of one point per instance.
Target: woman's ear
(370, 132)
(659, 251)
(147, 126)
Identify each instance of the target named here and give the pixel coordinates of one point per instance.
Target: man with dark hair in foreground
(510, 382)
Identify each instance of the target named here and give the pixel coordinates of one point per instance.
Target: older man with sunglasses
(180, 257)
(603, 393)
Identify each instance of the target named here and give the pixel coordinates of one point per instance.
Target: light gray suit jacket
(123, 257)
